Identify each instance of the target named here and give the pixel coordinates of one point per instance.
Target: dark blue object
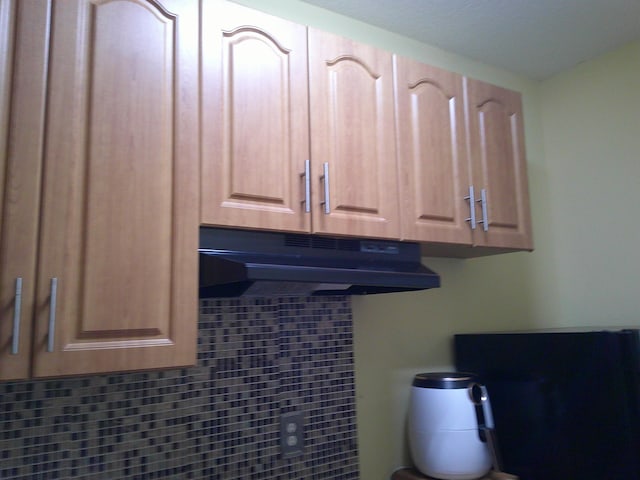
(566, 405)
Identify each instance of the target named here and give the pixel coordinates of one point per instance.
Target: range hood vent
(253, 263)
(328, 243)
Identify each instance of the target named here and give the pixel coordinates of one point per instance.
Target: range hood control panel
(374, 246)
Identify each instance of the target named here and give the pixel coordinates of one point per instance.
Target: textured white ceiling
(536, 38)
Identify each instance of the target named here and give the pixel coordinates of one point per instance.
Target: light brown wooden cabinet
(109, 147)
(462, 163)
(255, 119)
(498, 166)
(266, 93)
(304, 131)
(23, 41)
(353, 148)
(432, 154)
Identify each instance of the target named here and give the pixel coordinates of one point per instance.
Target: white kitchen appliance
(450, 426)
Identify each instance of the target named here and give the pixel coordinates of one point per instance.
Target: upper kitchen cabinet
(501, 217)
(303, 131)
(24, 33)
(118, 234)
(462, 187)
(432, 154)
(255, 137)
(353, 153)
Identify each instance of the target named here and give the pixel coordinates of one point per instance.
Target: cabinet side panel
(24, 37)
(7, 27)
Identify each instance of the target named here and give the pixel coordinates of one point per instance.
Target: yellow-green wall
(591, 122)
(582, 132)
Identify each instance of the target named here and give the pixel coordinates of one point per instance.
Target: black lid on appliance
(445, 380)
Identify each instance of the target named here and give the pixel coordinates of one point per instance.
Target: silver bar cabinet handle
(472, 207)
(325, 177)
(52, 315)
(15, 342)
(307, 186)
(485, 217)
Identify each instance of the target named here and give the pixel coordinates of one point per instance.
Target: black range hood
(255, 263)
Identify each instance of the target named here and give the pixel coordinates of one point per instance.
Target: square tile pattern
(257, 359)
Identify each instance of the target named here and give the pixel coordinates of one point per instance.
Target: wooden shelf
(411, 474)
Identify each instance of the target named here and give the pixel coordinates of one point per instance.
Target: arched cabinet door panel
(353, 152)
(255, 140)
(432, 154)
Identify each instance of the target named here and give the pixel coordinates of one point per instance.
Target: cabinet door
(255, 119)
(117, 274)
(498, 163)
(24, 34)
(353, 134)
(432, 155)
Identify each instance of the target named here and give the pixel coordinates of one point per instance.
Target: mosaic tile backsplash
(257, 359)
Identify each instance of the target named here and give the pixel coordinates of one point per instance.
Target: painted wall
(582, 139)
(585, 271)
(591, 120)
